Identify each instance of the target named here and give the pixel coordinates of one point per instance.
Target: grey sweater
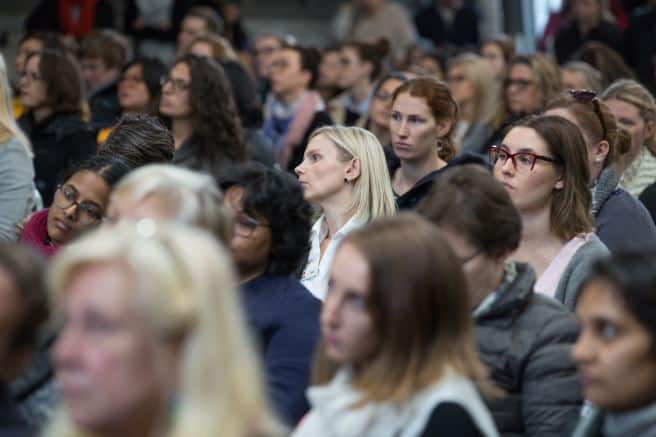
(577, 271)
(16, 187)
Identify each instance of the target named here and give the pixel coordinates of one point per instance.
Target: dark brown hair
(590, 119)
(105, 44)
(610, 64)
(505, 43)
(442, 105)
(374, 53)
(468, 200)
(419, 311)
(213, 21)
(62, 77)
(570, 206)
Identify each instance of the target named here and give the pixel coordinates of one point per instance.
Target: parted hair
(481, 76)
(570, 206)
(443, 106)
(418, 310)
(62, 76)
(372, 190)
(183, 286)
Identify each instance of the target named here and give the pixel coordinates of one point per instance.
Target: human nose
(401, 128)
(330, 312)
(71, 210)
(66, 348)
(582, 352)
(300, 168)
(508, 166)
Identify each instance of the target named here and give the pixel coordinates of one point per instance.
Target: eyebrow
(77, 190)
(522, 150)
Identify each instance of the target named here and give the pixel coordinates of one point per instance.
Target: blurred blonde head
(183, 288)
(8, 127)
(172, 193)
(372, 190)
(477, 70)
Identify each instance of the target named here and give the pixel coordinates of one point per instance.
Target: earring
(346, 180)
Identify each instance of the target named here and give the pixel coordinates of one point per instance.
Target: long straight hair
(8, 127)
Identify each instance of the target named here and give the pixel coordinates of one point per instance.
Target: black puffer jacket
(525, 340)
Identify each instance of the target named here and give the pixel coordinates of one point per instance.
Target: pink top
(547, 283)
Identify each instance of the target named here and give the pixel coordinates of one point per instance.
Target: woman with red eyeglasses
(542, 162)
(614, 209)
(78, 205)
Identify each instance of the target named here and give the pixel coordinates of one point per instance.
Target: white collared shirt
(317, 270)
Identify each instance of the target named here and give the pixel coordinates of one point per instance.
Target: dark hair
(505, 43)
(212, 19)
(218, 137)
(110, 168)
(633, 275)
(278, 197)
(374, 53)
(26, 270)
(442, 105)
(139, 140)
(243, 92)
(309, 59)
(62, 77)
(570, 207)
(49, 40)
(397, 75)
(610, 64)
(468, 200)
(107, 44)
(152, 70)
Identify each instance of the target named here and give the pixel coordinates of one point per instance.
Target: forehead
(89, 185)
(31, 44)
(407, 103)
(391, 84)
(291, 56)
(193, 22)
(267, 41)
(33, 62)
(323, 144)
(180, 70)
(622, 108)
(491, 49)
(521, 71)
(102, 286)
(133, 69)
(352, 267)
(525, 138)
(599, 298)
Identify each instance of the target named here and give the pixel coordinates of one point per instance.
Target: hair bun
(622, 142)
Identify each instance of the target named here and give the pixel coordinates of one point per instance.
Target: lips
(62, 225)
(508, 186)
(402, 146)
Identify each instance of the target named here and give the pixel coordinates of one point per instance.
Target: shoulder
(592, 248)
(450, 418)
(552, 320)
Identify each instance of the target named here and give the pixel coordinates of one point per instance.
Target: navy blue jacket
(285, 317)
(623, 223)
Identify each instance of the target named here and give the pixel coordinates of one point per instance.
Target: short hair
(607, 61)
(633, 276)
(62, 77)
(190, 197)
(309, 59)
(139, 140)
(184, 284)
(26, 271)
(213, 21)
(8, 127)
(634, 93)
(372, 191)
(440, 101)
(109, 168)
(468, 200)
(477, 71)
(420, 315)
(592, 76)
(570, 206)
(589, 116)
(152, 70)
(106, 44)
(276, 196)
(374, 53)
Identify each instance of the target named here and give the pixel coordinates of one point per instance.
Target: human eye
(314, 157)
(415, 119)
(524, 159)
(96, 323)
(395, 116)
(69, 193)
(354, 300)
(607, 330)
(92, 211)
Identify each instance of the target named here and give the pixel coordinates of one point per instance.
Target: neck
(248, 273)
(467, 111)
(411, 172)
(291, 96)
(181, 129)
(147, 422)
(360, 90)
(41, 114)
(536, 227)
(488, 287)
(336, 214)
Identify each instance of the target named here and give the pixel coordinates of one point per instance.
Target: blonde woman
(475, 89)
(345, 174)
(153, 340)
(167, 192)
(16, 168)
(635, 110)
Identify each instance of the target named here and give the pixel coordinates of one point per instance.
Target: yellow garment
(103, 134)
(18, 108)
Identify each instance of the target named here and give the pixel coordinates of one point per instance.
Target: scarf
(287, 124)
(633, 423)
(35, 233)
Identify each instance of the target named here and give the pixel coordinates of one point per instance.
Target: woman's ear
(443, 127)
(352, 170)
(600, 151)
(560, 182)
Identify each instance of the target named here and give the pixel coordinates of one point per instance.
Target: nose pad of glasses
(71, 210)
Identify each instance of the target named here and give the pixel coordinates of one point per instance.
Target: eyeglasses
(587, 96)
(520, 83)
(66, 196)
(522, 161)
(465, 260)
(245, 225)
(33, 77)
(131, 79)
(384, 96)
(176, 84)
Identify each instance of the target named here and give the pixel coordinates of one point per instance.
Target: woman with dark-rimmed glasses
(614, 209)
(542, 162)
(78, 205)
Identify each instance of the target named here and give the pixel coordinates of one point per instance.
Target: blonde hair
(372, 190)
(221, 48)
(478, 72)
(184, 285)
(8, 127)
(632, 92)
(189, 197)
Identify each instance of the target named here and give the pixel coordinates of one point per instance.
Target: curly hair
(218, 137)
(276, 196)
